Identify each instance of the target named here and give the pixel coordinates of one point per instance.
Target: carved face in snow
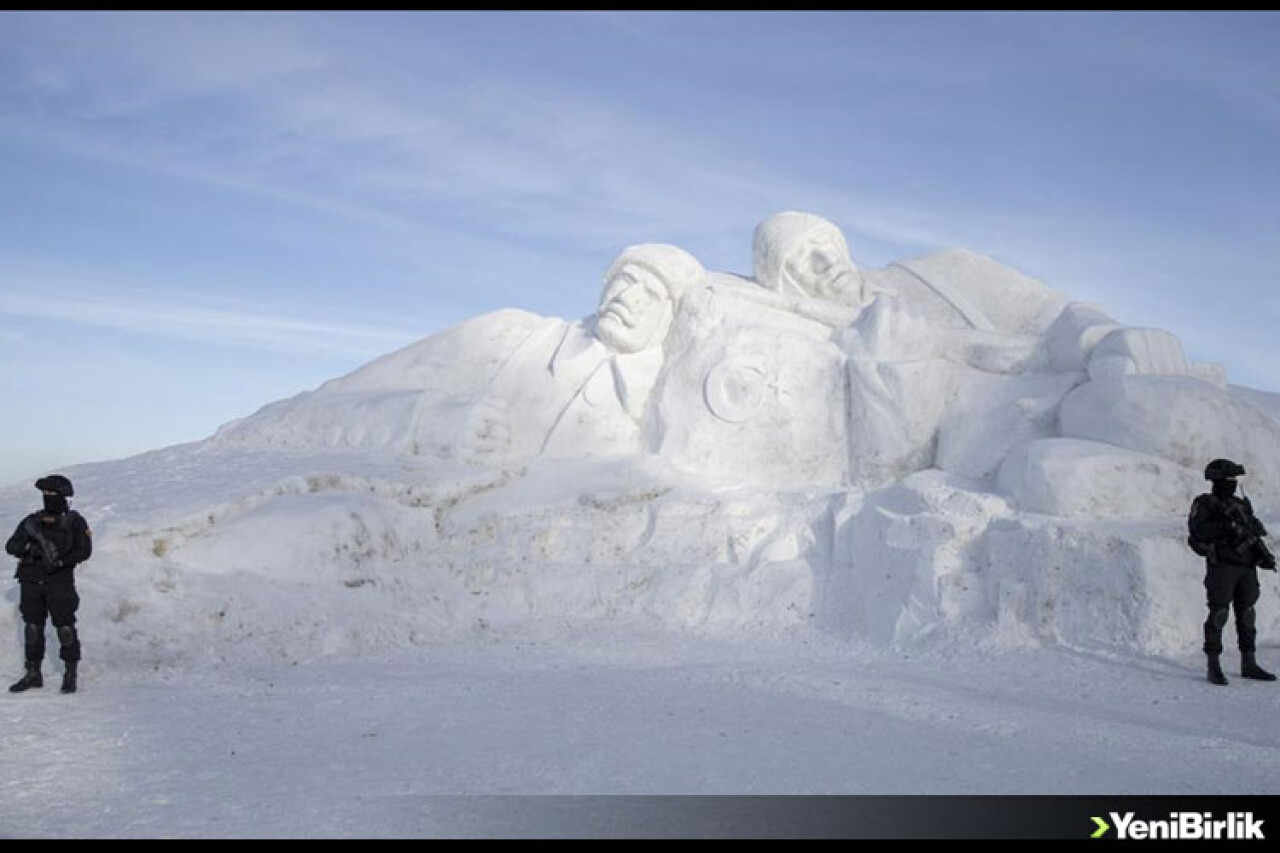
(635, 310)
(800, 253)
(642, 290)
(820, 266)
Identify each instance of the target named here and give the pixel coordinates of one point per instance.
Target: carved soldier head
(642, 290)
(803, 254)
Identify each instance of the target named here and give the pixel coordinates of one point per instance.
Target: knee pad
(67, 635)
(1218, 617)
(32, 633)
(1247, 617)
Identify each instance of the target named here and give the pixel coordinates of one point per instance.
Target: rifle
(47, 549)
(1251, 543)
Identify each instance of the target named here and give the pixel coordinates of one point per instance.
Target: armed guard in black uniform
(49, 544)
(1229, 536)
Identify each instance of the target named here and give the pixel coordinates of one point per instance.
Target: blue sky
(201, 213)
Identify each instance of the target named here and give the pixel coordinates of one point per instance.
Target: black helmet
(56, 483)
(1223, 469)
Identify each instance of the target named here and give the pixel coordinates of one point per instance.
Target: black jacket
(1228, 525)
(69, 535)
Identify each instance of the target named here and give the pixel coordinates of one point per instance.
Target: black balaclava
(1224, 488)
(55, 504)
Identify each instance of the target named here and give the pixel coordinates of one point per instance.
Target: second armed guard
(1225, 531)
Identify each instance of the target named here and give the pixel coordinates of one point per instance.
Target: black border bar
(802, 817)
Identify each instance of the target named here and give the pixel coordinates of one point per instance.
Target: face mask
(1224, 488)
(56, 504)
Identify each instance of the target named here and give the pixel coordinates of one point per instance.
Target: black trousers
(40, 602)
(1229, 586)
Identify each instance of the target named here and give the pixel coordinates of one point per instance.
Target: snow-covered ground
(361, 748)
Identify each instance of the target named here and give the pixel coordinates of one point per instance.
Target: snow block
(1089, 479)
(903, 560)
(996, 415)
(1146, 351)
(1106, 586)
(1179, 418)
(1073, 335)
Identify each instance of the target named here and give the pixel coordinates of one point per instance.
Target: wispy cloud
(88, 303)
(303, 118)
(110, 64)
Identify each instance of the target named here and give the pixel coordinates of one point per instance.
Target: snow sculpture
(411, 401)
(958, 367)
(506, 386)
(943, 442)
(582, 388)
(815, 374)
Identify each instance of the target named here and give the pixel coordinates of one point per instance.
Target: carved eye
(627, 278)
(823, 255)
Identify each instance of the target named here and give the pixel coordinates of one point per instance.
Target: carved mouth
(619, 313)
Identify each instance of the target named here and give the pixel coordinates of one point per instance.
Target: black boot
(69, 677)
(1249, 668)
(70, 654)
(1216, 675)
(31, 679)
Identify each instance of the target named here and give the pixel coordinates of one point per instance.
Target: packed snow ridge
(941, 451)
